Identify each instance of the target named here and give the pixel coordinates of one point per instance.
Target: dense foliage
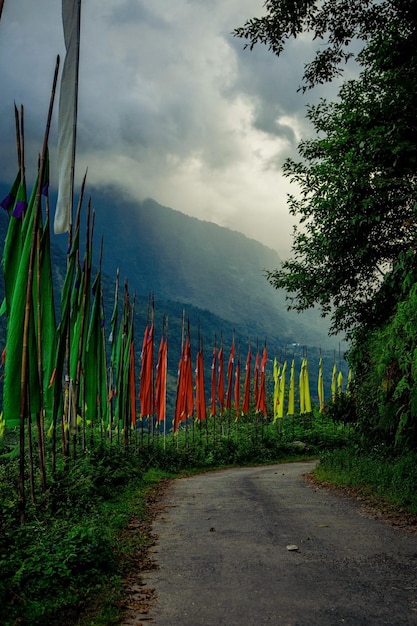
(357, 179)
(354, 246)
(386, 365)
(335, 24)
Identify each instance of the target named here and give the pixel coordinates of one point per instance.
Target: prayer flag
(67, 114)
(246, 399)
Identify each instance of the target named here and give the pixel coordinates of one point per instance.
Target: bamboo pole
(39, 415)
(111, 366)
(30, 457)
(124, 401)
(68, 385)
(24, 371)
(20, 161)
(132, 374)
(151, 417)
(86, 285)
(103, 410)
(166, 369)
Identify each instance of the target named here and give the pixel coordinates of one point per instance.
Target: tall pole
(24, 408)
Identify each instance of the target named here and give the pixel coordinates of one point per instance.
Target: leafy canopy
(357, 177)
(335, 24)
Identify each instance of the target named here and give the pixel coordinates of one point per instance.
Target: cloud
(170, 105)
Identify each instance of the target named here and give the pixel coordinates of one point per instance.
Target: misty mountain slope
(181, 258)
(195, 263)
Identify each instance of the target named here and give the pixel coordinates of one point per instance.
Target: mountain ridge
(182, 258)
(195, 263)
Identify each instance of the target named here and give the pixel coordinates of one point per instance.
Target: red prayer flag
(200, 398)
(213, 381)
(246, 398)
(256, 379)
(132, 383)
(184, 406)
(161, 381)
(220, 382)
(189, 381)
(146, 395)
(179, 398)
(230, 377)
(261, 404)
(237, 388)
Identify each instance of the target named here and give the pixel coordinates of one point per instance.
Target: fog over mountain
(181, 258)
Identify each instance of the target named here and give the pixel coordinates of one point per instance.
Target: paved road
(224, 558)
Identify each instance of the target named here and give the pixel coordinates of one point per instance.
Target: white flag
(67, 115)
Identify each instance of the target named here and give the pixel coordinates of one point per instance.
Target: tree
(335, 23)
(357, 206)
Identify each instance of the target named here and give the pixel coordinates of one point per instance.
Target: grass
(68, 558)
(387, 475)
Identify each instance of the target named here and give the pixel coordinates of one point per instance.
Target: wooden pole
(39, 415)
(24, 412)
(124, 401)
(112, 372)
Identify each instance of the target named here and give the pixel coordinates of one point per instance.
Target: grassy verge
(388, 476)
(130, 517)
(68, 559)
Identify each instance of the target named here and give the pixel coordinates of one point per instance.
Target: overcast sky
(170, 105)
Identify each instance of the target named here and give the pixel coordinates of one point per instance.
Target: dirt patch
(137, 596)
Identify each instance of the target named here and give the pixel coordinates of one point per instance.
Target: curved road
(251, 546)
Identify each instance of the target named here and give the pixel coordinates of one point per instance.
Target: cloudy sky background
(171, 106)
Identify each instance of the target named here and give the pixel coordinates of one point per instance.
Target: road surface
(261, 545)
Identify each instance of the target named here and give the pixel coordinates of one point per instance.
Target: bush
(381, 472)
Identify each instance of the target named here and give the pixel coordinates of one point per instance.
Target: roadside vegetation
(66, 564)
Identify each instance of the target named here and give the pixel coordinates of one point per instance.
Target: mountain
(186, 263)
(212, 274)
(183, 259)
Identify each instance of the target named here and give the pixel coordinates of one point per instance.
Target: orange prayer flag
(146, 391)
(261, 403)
(213, 381)
(230, 376)
(200, 398)
(161, 381)
(237, 388)
(246, 398)
(220, 382)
